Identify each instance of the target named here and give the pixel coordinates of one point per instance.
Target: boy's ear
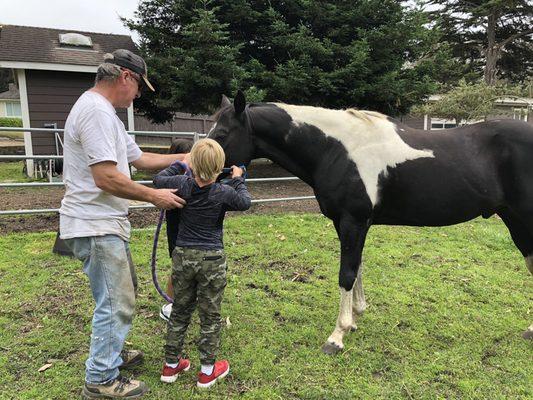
(239, 103)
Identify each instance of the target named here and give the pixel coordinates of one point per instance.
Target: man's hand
(166, 199)
(236, 171)
(110, 180)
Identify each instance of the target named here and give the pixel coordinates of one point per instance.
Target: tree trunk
(493, 51)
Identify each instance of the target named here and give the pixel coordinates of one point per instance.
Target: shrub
(10, 122)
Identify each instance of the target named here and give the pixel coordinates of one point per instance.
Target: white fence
(194, 135)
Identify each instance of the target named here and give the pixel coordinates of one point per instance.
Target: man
(93, 214)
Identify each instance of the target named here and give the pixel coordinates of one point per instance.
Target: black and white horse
(366, 168)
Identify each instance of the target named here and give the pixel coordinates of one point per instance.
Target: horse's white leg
(528, 333)
(529, 263)
(359, 302)
(344, 323)
(352, 234)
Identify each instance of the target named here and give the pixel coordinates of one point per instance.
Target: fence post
(23, 94)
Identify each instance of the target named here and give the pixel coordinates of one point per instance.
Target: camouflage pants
(198, 277)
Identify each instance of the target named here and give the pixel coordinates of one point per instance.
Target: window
(75, 39)
(442, 123)
(520, 113)
(13, 110)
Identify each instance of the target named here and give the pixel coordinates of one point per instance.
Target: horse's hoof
(360, 309)
(353, 328)
(528, 334)
(331, 348)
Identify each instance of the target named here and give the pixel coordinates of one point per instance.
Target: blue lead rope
(154, 257)
(188, 172)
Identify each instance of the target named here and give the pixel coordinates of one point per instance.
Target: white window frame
(9, 109)
(442, 123)
(520, 113)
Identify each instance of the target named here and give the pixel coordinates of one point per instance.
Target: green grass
(143, 175)
(446, 310)
(11, 172)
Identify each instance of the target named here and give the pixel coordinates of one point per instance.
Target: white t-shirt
(93, 134)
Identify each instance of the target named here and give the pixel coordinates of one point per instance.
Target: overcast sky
(84, 15)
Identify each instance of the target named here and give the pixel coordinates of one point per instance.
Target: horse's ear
(225, 101)
(239, 103)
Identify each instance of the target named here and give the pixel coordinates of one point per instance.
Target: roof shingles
(41, 45)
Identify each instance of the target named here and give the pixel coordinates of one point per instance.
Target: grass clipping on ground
(446, 310)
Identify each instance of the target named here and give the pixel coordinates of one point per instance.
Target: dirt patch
(11, 143)
(34, 198)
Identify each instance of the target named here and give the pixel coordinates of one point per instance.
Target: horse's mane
(365, 115)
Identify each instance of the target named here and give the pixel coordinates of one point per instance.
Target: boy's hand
(236, 171)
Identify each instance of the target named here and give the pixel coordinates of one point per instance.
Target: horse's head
(232, 131)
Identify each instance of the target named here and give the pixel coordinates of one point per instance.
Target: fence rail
(137, 133)
(194, 135)
(56, 184)
(144, 206)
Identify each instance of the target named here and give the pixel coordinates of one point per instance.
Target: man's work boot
(119, 388)
(131, 358)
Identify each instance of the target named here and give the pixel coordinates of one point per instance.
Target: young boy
(199, 263)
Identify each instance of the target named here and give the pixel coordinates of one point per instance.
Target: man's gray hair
(107, 71)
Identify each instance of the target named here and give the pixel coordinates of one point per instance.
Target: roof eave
(48, 66)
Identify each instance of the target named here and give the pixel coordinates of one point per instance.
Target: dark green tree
(189, 56)
(6, 77)
(375, 54)
(494, 38)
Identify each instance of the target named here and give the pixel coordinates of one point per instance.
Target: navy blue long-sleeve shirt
(201, 220)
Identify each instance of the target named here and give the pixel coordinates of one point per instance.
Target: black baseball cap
(126, 59)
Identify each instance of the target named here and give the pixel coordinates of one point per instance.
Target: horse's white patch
(359, 301)
(371, 142)
(344, 320)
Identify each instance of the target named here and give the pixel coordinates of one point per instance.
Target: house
(506, 108)
(10, 103)
(53, 67)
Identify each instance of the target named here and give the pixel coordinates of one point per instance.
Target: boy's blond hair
(207, 159)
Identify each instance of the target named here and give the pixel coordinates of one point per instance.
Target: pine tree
(189, 57)
(494, 37)
(374, 54)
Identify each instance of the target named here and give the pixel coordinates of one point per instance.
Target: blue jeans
(107, 262)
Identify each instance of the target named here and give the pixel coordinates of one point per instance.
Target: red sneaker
(169, 374)
(220, 370)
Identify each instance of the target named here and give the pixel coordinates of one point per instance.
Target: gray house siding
(51, 95)
(412, 121)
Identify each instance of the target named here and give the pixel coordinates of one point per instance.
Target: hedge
(10, 122)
